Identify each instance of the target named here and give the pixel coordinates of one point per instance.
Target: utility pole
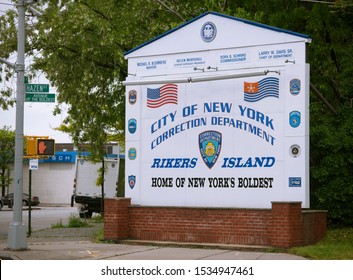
(17, 239)
(17, 231)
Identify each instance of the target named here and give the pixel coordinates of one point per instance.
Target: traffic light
(45, 147)
(39, 146)
(31, 147)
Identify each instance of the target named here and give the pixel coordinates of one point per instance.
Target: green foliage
(337, 245)
(332, 165)
(99, 235)
(58, 224)
(7, 154)
(101, 171)
(75, 222)
(97, 218)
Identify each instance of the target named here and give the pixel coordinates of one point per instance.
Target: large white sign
(221, 128)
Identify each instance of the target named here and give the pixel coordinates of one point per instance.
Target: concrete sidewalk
(83, 248)
(48, 243)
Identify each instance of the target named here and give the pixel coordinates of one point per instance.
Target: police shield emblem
(295, 86)
(210, 143)
(132, 181)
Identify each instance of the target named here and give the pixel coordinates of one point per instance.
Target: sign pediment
(215, 31)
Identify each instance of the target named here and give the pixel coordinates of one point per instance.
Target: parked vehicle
(9, 198)
(86, 193)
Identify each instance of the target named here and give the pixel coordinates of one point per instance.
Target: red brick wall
(284, 225)
(116, 218)
(314, 226)
(200, 225)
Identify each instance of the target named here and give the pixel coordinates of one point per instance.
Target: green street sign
(40, 97)
(37, 88)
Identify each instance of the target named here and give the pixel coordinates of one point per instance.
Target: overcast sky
(38, 117)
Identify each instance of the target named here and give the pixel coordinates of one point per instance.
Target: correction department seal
(210, 143)
(208, 32)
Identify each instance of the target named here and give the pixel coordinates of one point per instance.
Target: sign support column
(17, 239)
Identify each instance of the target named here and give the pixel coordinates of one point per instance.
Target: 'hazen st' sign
(37, 88)
(39, 93)
(212, 123)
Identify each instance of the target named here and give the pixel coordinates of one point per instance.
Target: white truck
(87, 195)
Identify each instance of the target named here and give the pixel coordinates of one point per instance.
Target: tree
(80, 46)
(8, 46)
(7, 153)
(331, 130)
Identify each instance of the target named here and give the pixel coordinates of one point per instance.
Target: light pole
(17, 231)
(17, 239)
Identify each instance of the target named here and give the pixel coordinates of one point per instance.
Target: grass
(74, 222)
(98, 218)
(99, 236)
(337, 245)
(58, 224)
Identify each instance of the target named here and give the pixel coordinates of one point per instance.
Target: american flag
(166, 94)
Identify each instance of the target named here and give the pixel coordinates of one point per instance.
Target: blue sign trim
(261, 25)
(70, 157)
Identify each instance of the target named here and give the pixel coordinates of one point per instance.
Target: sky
(38, 116)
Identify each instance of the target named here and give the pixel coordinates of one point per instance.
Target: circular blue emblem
(132, 125)
(294, 119)
(208, 32)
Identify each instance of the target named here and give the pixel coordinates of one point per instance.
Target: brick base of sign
(284, 225)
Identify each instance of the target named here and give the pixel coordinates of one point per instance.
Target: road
(41, 217)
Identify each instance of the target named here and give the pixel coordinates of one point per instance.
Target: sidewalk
(78, 244)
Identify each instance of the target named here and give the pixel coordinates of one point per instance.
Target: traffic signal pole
(17, 231)
(17, 239)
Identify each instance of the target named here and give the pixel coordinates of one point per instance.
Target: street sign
(33, 164)
(37, 88)
(40, 97)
